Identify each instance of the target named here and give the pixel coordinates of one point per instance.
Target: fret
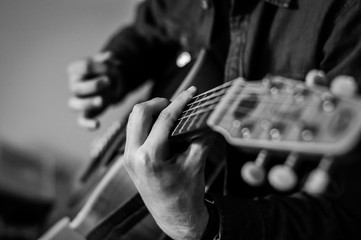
(200, 107)
(189, 113)
(187, 118)
(216, 89)
(182, 121)
(209, 100)
(195, 113)
(193, 104)
(207, 97)
(178, 127)
(208, 106)
(202, 119)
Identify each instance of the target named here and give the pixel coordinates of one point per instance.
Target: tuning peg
(283, 177)
(344, 86)
(318, 179)
(253, 173)
(315, 77)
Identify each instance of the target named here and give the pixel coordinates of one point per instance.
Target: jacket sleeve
(145, 46)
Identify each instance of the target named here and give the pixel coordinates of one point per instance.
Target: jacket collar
(281, 3)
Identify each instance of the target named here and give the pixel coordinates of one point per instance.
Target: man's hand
(171, 185)
(95, 83)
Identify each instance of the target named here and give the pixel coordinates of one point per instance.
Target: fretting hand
(96, 83)
(171, 185)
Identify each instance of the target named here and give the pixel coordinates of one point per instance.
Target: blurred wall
(38, 39)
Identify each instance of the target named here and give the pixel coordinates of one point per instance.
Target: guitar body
(108, 205)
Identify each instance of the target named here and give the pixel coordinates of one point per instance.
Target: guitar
(275, 114)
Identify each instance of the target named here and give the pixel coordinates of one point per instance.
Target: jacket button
(183, 59)
(204, 4)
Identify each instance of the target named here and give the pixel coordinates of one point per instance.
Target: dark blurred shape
(26, 192)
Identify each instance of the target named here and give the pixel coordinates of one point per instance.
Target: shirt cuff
(212, 231)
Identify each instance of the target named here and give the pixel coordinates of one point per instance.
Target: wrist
(184, 225)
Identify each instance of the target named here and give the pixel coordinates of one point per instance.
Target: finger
(198, 151)
(98, 63)
(345, 86)
(161, 129)
(315, 77)
(78, 70)
(90, 88)
(141, 120)
(88, 123)
(102, 57)
(85, 104)
(89, 68)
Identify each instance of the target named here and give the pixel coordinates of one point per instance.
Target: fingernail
(97, 101)
(104, 81)
(90, 124)
(102, 57)
(192, 89)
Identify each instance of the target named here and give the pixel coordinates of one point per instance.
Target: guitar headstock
(281, 114)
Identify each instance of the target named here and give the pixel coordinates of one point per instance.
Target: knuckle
(102, 82)
(78, 67)
(139, 109)
(74, 87)
(185, 95)
(98, 101)
(137, 158)
(140, 156)
(72, 103)
(99, 67)
(128, 161)
(166, 115)
(160, 99)
(164, 101)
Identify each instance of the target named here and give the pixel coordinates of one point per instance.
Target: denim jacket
(253, 38)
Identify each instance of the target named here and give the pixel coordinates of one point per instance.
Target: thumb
(198, 150)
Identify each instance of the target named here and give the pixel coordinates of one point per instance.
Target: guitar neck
(195, 115)
(277, 114)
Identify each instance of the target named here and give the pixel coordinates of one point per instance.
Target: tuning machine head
(283, 177)
(254, 173)
(318, 179)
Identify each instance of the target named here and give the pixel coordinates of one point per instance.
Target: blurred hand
(95, 84)
(171, 184)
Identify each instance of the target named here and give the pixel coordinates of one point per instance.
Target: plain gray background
(38, 39)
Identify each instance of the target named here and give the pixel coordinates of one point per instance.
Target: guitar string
(188, 125)
(287, 94)
(213, 101)
(239, 109)
(192, 108)
(224, 85)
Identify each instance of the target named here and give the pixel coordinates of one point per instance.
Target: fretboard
(194, 116)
